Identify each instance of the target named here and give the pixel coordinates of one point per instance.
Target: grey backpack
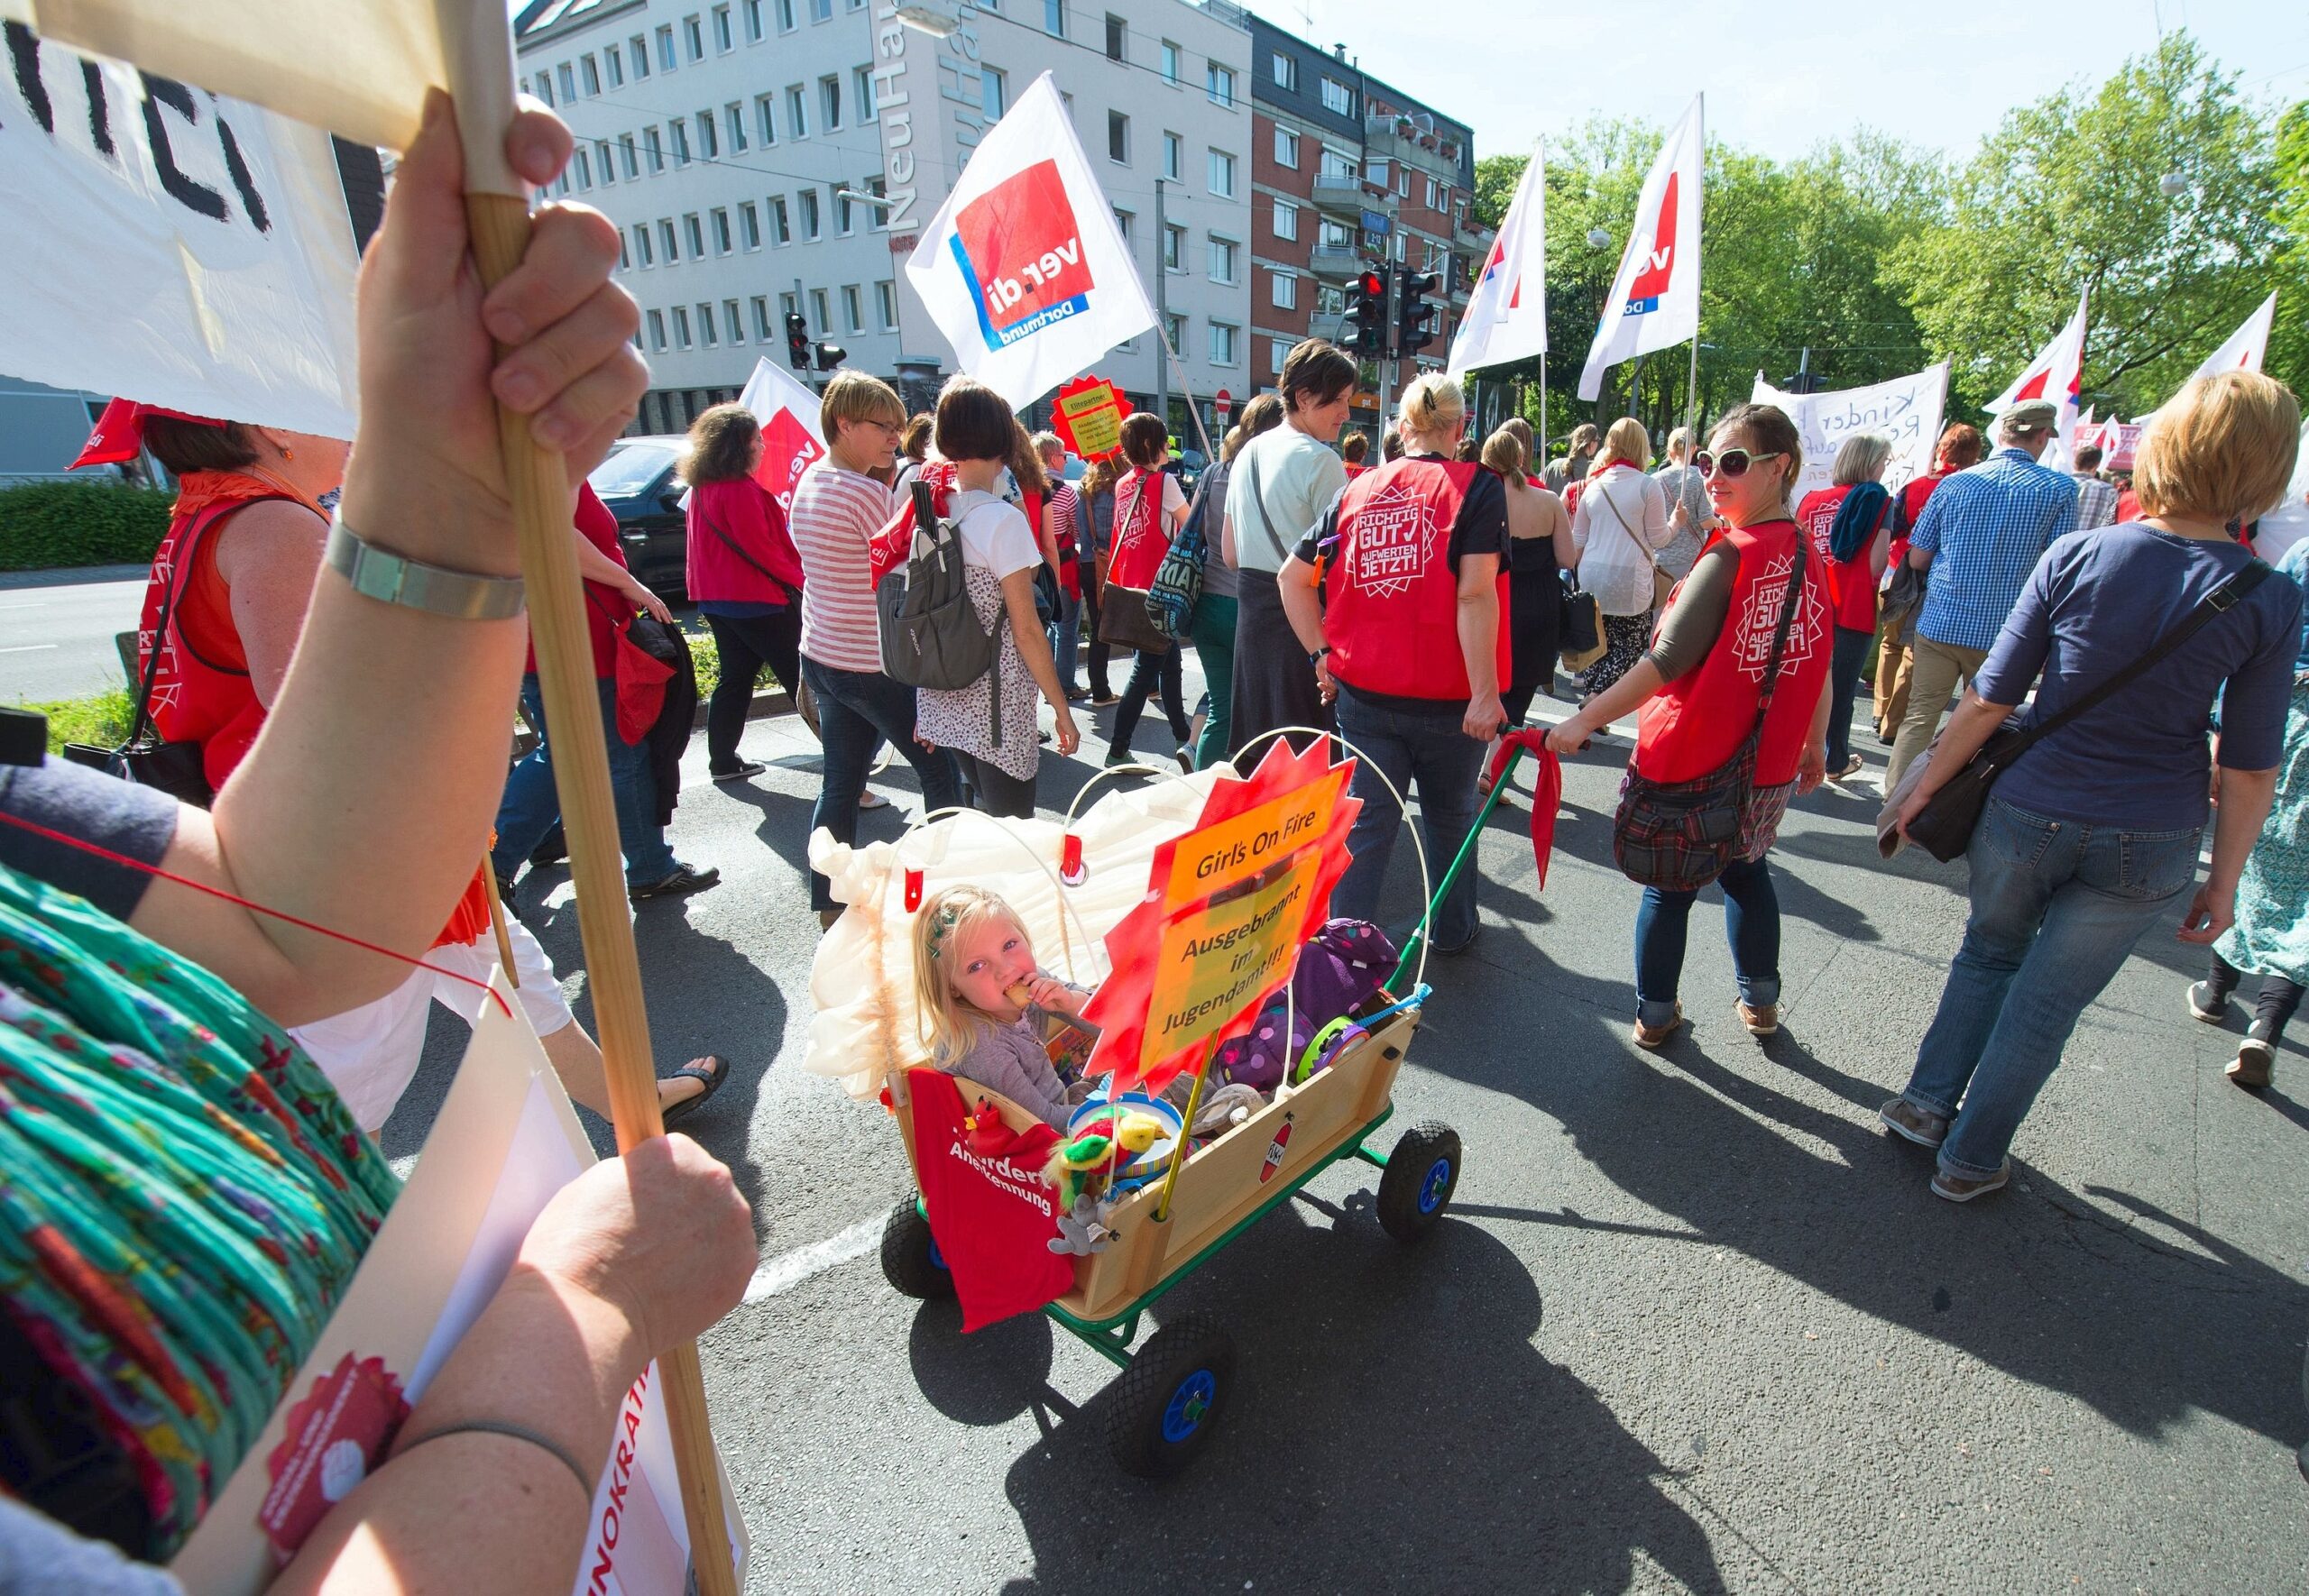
(930, 630)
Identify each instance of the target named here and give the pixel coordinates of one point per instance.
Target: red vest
(1140, 538)
(1698, 721)
(1391, 602)
(195, 700)
(1851, 588)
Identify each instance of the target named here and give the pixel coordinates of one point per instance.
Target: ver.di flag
(1506, 317)
(791, 438)
(1022, 267)
(1654, 302)
(2057, 374)
(2246, 346)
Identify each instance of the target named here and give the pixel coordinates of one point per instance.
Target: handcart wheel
(1416, 1186)
(1163, 1409)
(910, 1259)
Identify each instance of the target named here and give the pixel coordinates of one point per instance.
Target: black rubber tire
(1163, 1411)
(910, 1259)
(1416, 1186)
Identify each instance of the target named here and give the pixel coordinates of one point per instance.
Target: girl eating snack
(995, 1016)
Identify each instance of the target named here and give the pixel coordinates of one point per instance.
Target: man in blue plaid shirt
(1979, 537)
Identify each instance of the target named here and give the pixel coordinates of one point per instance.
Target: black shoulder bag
(1944, 827)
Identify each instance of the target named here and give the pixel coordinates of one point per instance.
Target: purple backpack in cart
(1341, 965)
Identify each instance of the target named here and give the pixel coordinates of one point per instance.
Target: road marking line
(27, 648)
(790, 1269)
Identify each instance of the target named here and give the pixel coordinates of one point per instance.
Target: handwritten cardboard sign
(1088, 414)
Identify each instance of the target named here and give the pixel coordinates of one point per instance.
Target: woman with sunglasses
(1698, 690)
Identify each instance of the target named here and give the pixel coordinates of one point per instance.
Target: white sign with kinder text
(1907, 409)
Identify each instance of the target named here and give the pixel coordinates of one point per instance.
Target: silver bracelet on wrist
(437, 589)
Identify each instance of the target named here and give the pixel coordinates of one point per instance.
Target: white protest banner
(1654, 301)
(1023, 268)
(503, 1144)
(172, 247)
(1905, 410)
(1506, 318)
(791, 436)
(2247, 347)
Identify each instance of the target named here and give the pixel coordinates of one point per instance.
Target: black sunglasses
(1733, 463)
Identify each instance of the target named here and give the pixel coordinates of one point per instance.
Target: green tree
(2288, 359)
(2064, 197)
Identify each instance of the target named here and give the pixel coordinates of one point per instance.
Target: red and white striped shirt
(834, 515)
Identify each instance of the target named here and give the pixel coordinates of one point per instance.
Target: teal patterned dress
(2271, 933)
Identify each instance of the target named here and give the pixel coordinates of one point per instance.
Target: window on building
(819, 316)
(709, 142)
(735, 117)
(658, 329)
(1222, 253)
(785, 22)
(1329, 301)
(753, 22)
(886, 304)
(641, 245)
(1333, 236)
(1337, 97)
(1403, 179)
(1335, 163)
(1118, 138)
(1054, 18)
(694, 230)
(1222, 174)
(705, 325)
(861, 85)
(765, 117)
(613, 62)
(694, 36)
(681, 327)
(761, 318)
(749, 224)
(604, 161)
(1123, 220)
(585, 167)
(1278, 350)
(567, 81)
(680, 130)
(1286, 219)
(655, 150)
(780, 232)
(788, 305)
(1285, 290)
(1285, 69)
(629, 157)
(809, 215)
(1223, 339)
(798, 113)
(843, 224)
(1220, 81)
(1174, 247)
(666, 48)
(638, 47)
(993, 97)
(1286, 148)
(822, 11)
(589, 74)
(854, 308)
(729, 322)
(1170, 61)
(1434, 203)
(1175, 329)
(721, 243)
(670, 239)
(1173, 155)
(723, 40)
(1117, 38)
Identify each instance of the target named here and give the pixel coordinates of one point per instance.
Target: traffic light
(1415, 318)
(829, 355)
(1364, 330)
(797, 340)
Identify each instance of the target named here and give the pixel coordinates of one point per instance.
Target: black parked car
(638, 484)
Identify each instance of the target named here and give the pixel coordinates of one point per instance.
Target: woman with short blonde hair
(1619, 523)
(1539, 545)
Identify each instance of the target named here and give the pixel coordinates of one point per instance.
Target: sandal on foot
(711, 1071)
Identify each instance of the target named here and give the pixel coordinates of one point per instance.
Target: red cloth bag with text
(991, 1212)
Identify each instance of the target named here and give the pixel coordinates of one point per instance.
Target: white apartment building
(724, 138)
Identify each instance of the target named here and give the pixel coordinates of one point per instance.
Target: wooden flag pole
(538, 481)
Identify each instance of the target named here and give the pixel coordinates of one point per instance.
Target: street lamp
(2172, 185)
(1598, 239)
(934, 17)
(859, 197)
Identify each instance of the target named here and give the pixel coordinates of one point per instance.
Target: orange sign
(1087, 414)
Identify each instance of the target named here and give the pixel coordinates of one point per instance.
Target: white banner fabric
(1905, 410)
(1506, 317)
(1654, 302)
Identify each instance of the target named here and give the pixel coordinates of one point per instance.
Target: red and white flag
(2246, 346)
(1023, 268)
(791, 438)
(1506, 317)
(1654, 302)
(2057, 374)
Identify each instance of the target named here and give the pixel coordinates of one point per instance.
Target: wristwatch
(1316, 657)
(411, 583)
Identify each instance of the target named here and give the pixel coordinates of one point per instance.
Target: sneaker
(1650, 1039)
(2250, 1067)
(1919, 1125)
(685, 878)
(1103, 698)
(745, 771)
(1117, 756)
(1186, 760)
(1760, 1021)
(2206, 1005)
(1964, 1188)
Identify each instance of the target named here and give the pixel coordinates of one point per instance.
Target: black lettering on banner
(23, 51)
(238, 166)
(92, 77)
(192, 196)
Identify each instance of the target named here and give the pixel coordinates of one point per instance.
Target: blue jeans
(1751, 925)
(1066, 638)
(531, 805)
(857, 710)
(1851, 648)
(1425, 748)
(2057, 907)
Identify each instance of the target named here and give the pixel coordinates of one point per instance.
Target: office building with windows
(768, 157)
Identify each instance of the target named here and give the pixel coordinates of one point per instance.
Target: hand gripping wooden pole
(536, 478)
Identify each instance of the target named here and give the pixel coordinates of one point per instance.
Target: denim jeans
(1413, 748)
(857, 710)
(531, 805)
(1213, 633)
(2057, 907)
(1751, 925)
(1851, 648)
(1066, 638)
(1148, 673)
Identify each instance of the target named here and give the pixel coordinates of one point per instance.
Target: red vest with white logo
(1698, 722)
(1390, 601)
(195, 699)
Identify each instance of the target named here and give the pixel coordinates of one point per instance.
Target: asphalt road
(57, 630)
(1694, 1322)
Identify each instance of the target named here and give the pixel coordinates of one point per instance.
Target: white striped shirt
(834, 517)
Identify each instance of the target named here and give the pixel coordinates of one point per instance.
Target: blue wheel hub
(1188, 1405)
(1438, 1182)
(937, 1259)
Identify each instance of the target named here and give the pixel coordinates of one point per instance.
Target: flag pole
(1691, 401)
(536, 479)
